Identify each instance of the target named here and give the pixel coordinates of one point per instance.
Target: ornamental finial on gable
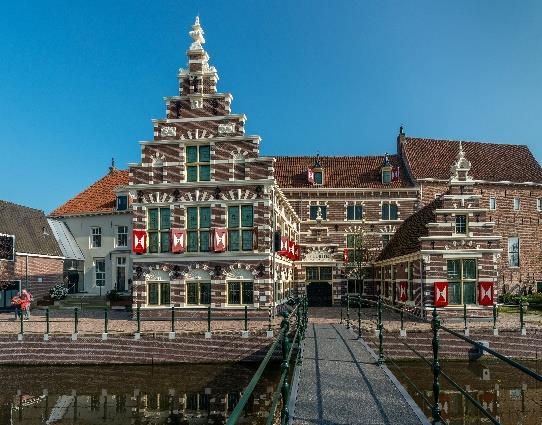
(461, 164)
(197, 35)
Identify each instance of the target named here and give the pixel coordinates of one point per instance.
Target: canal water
(509, 395)
(172, 394)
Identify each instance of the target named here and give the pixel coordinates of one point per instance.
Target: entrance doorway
(319, 294)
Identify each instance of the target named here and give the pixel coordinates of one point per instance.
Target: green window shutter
(191, 154)
(192, 296)
(153, 242)
(192, 245)
(204, 217)
(359, 212)
(165, 218)
(205, 153)
(385, 211)
(192, 173)
(393, 211)
(204, 173)
(164, 293)
(247, 216)
(192, 217)
(233, 240)
(204, 241)
(247, 240)
(153, 293)
(233, 217)
(205, 293)
(248, 293)
(164, 242)
(153, 219)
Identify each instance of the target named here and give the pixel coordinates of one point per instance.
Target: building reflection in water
(509, 395)
(184, 394)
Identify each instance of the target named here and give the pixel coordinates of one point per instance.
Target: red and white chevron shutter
(219, 239)
(395, 174)
(485, 293)
(345, 255)
(297, 252)
(139, 241)
(403, 291)
(178, 241)
(441, 294)
(310, 176)
(283, 246)
(291, 250)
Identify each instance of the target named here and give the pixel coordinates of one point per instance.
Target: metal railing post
(209, 319)
(402, 319)
(359, 316)
(341, 322)
(380, 328)
(285, 389)
(172, 318)
(436, 369)
(347, 311)
(246, 318)
(521, 322)
(138, 318)
(494, 316)
(22, 326)
(47, 320)
(465, 315)
(106, 319)
(75, 320)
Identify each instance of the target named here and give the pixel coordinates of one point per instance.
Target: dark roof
(99, 197)
(339, 171)
(430, 158)
(406, 239)
(33, 235)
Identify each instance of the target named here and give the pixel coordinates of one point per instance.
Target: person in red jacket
(26, 298)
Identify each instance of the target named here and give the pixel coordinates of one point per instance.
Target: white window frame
(96, 279)
(118, 233)
(539, 204)
(517, 204)
(492, 200)
(95, 232)
(512, 239)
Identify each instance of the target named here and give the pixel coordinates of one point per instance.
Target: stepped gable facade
(446, 254)
(508, 180)
(29, 253)
(205, 205)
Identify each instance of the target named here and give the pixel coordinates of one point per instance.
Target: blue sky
(80, 81)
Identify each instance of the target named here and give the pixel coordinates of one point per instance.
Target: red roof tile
(100, 197)
(430, 158)
(339, 171)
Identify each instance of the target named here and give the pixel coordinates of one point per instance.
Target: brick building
(29, 253)
(215, 223)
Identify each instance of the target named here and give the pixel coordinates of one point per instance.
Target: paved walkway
(340, 383)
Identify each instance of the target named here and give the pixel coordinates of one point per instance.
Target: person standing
(26, 298)
(16, 303)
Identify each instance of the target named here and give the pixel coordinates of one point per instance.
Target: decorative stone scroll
(168, 131)
(226, 128)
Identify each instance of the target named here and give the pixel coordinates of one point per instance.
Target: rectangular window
(461, 224)
(240, 227)
(198, 293)
(539, 204)
(513, 251)
(317, 211)
(462, 278)
(122, 203)
(158, 293)
(122, 236)
(385, 240)
(121, 274)
(99, 266)
(355, 253)
(158, 225)
(389, 211)
(198, 163)
(312, 273)
(386, 176)
(95, 237)
(492, 203)
(517, 204)
(318, 177)
(240, 293)
(198, 221)
(326, 273)
(354, 212)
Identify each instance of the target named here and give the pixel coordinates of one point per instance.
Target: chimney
(112, 169)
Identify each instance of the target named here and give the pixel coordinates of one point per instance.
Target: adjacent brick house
(29, 253)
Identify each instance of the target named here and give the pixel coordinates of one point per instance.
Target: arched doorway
(319, 294)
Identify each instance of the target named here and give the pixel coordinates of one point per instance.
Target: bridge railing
(159, 319)
(289, 340)
(434, 364)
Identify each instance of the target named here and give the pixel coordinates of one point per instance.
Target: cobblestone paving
(92, 322)
(341, 384)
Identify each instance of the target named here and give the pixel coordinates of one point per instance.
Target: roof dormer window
(122, 203)
(315, 175)
(389, 173)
